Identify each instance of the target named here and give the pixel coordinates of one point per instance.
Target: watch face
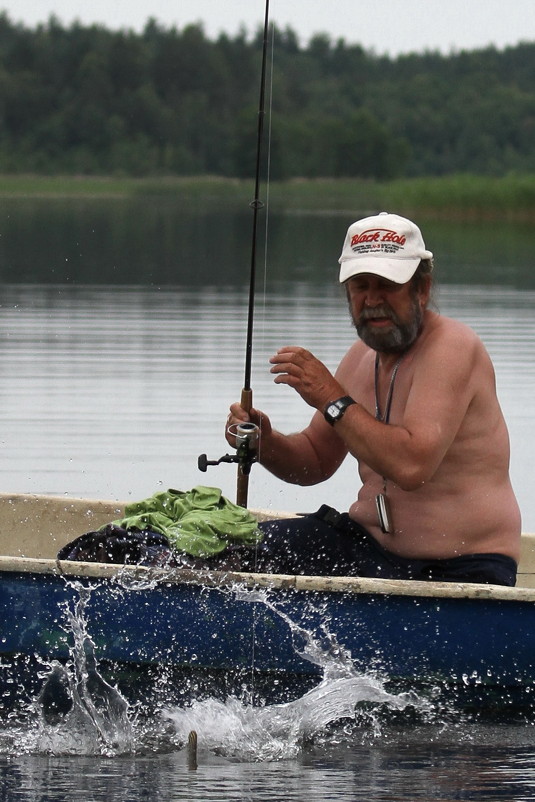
(336, 409)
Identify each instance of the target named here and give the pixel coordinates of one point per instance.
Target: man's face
(387, 316)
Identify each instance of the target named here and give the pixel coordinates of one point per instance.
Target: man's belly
(443, 522)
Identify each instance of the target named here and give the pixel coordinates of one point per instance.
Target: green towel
(200, 522)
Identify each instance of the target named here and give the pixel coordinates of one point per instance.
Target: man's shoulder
(453, 345)
(449, 331)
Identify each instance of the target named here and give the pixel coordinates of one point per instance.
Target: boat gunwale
(35, 511)
(329, 584)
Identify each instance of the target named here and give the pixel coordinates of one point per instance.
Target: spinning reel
(246, 447)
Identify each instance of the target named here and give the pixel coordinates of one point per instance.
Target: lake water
(390, 768)
(122, 342)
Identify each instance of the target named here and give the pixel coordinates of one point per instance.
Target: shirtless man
(414, 401)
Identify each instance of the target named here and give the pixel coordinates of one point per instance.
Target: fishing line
(266, 227)
(256, 205)
(263, 318)
(268, 168)
(246, 442)
(251, 289)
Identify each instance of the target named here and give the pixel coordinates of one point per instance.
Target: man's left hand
(301, 370)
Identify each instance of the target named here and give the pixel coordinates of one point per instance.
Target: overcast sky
(386, 26)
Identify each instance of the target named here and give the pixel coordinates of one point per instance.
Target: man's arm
(446, 377)
(446, 373)
(303, 458)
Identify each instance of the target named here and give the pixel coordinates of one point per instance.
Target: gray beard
(398, 338)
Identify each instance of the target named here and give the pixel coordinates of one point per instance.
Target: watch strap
(335, 410)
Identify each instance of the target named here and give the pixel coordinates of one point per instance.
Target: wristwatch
(334, 411)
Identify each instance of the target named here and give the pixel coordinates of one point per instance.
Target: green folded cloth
(200, 522)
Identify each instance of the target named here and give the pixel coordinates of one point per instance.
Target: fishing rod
(247, 433)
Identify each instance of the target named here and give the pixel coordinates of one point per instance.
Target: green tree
(86, 99)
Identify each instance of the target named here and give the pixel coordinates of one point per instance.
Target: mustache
(377, 311)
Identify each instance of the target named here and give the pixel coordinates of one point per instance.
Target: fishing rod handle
(242, 483)
(246, 401)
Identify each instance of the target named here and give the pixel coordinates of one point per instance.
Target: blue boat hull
(483, 645)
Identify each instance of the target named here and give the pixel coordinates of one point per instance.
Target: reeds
(454, 197)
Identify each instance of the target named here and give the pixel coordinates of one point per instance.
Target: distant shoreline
(457, 197)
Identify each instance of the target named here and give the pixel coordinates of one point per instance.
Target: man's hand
(238, 415)
(307, 375)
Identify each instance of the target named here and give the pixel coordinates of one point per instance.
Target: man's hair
(423, 274)
(422, 277)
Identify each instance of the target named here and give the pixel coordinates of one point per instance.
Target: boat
(229, 629)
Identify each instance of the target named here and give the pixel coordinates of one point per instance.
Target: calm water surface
(121, 346)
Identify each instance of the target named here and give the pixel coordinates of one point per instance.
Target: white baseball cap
(386, 245)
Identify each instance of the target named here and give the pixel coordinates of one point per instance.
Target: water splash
(78, 711)
(239, 730)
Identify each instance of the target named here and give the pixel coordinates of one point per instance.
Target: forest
(85, 100)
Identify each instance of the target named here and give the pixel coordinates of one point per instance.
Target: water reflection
(422, 767)
(161, 241)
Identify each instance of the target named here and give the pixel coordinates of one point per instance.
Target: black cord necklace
(378, 415)
(381, 500)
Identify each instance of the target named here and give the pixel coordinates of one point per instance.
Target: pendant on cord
(383, 513)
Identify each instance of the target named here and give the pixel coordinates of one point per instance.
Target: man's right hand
(238, 415)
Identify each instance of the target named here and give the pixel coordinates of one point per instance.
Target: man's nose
(374, 297)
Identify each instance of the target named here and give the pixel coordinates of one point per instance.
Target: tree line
(168, 101)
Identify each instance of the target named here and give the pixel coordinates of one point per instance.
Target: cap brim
(397, 270)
